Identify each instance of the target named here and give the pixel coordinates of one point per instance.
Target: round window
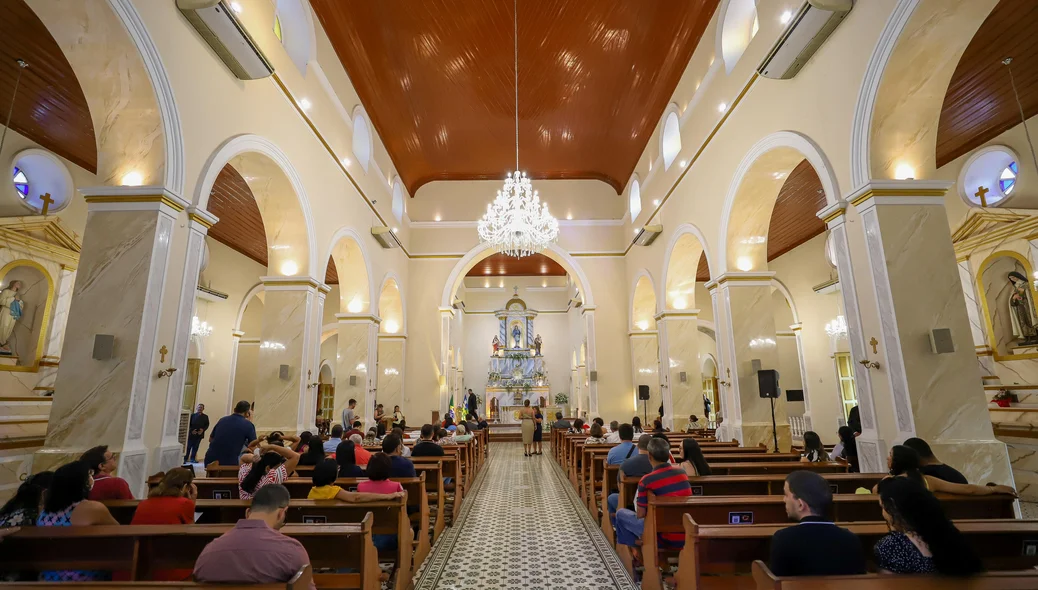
(989, 177)
(21, 182)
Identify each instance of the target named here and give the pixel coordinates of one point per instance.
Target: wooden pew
(780, 467)
(141, 550)
(390, 518)
(301, 581)
(721, 556)
(666, 514)
(449, 467)
(1011, 580)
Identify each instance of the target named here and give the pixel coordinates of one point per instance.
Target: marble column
(917, 289)
(590, 362)
(170, 452)
(232, 369)
(681, 366)
(750, 321)
(391, 348)
(798, 335)
(872, 451)
(118, 293)
(446, 319)
(284, 399)
(975, 313)
(56, 330)
(722, 335)
(357, 350)
(645, 363)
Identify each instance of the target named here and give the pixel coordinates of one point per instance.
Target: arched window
(737, 30)
(670, 139)
(361, 139)
(293, 27)
(398, 200)
(635, 199)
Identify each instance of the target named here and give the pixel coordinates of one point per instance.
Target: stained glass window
(21, 183)
(1007, 180)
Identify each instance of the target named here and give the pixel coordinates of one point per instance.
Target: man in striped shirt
(664, 480)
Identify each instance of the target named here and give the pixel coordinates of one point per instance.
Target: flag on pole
(450, 407)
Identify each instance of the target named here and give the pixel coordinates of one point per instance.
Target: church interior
(748, 223)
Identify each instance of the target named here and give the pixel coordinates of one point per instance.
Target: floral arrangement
(561, 399)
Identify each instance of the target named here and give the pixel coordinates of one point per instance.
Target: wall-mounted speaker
(683, 377)
(768, 382)
(283, 372)
(941, 341)
(104, 346)
(593, 376)
(643, 392)
(353, 379)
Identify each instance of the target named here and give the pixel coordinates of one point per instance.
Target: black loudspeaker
(794, 395)
(643, 392)
(768, 383)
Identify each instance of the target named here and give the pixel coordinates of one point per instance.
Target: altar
(517, 371)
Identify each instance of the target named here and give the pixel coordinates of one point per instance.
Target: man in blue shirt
(334, 439)
(401, 466)
(230, 434)
(625, 449)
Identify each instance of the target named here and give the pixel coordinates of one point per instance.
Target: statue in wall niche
(1021, 309)
(10, 313)
(496, 344)
(537, 344)
(517, 335)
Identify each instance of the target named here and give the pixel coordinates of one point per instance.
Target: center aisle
(522, 527)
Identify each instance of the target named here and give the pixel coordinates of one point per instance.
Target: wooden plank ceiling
(499, 265)
(50, 108)
(793, 220)
(979, 104)
(241, 226)
(436, 78)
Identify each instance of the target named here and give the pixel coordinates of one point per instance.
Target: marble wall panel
(351, 360)
(390, 377)
(645, 371)
(15, 465)
(973, 309)
(1023, 456)
(1016, 371)
(683, 356)
(284, 325)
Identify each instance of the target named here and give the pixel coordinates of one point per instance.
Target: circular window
(21, 182)
(41, 181)
(989, 177)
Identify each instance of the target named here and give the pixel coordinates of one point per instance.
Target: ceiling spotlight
(722, 107)
(236, 7)
(437, 218)
(394, 230)
(569, 216)
(655, 202)
(304, 104)
(132, 178)
(683, 163)
(786, 17)
(486, 271)
(346, 161)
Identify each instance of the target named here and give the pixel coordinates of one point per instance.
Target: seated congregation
(685, 510)
(342, 510)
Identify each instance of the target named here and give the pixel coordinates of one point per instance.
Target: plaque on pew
(834, 488)
(1030, 548)
(697, 491)
(314, 519)
(221, 494)
(740, 518)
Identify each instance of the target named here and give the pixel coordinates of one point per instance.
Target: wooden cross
(981, 191)
(874, 343)
(162, 353)
(47, 202)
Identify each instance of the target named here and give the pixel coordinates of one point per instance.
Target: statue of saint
(537, 344)
(497, 345)
(1021, 309)
(517, 334)
(10, 313)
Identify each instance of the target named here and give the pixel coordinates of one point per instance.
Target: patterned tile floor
(522, 528)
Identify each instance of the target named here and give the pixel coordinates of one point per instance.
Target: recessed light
(236, 7)
(683, 163)
(304, 104)
(394, 230)
(655, 202)
(786, 17)
(487, 271)
(346, 161)
(569, 216)
(132, 178)
(437, 218)
(635, 231)
(722, 107)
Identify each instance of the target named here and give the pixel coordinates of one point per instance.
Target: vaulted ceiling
(50, 108)
(499, 265)
(436, 78)
(979, 104)
(794, 220)
(241, 226)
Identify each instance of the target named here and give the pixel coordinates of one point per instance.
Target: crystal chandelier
(517, 223)
(837, 327)
(198, 328)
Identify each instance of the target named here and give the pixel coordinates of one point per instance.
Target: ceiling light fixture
(132, 178)
(683, 163)
(655, 202)
(786, 17)
(437, 218)
(517, 223)
(722, 107)
(236, 7)
(304, 104)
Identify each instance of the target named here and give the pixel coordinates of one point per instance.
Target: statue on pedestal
(1021, 309)
(517, 335)
(537, 344)
(10, 313)
(497, 345)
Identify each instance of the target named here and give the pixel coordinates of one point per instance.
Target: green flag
(450, 406)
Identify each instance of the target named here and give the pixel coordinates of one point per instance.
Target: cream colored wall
(466, 200)
(457, 238)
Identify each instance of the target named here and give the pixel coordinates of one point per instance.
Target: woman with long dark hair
(846, 449)
(922, 540)
(304, 442)
(692, 459)
(273, 466)
(814, 450)
(314, 453)
(904, 462)
(346, 457)
(636, 423)
(66, 504)
(24, 508)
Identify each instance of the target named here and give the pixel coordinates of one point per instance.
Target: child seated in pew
(324, 476)
(814, 451)
(378, 482)
(273, 467)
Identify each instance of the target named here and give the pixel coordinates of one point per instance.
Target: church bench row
(669, 514)
(140, 551)
(579, 450)
(301, 581)
(721, 556)
(573, 446)
(389, 517)
(562, 442)
(1009, 580)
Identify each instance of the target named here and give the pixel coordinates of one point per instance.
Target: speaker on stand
(768, 384)
(643, 395)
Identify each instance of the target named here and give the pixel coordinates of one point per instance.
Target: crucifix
(47, 201)
(874, 343)
(162, 353)
(981, 192)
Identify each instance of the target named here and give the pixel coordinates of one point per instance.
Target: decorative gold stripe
(898, 192)
(48, 363)
(596, 254)
(834, 215)
(294, 283)
(437, 256)
(28, 398)
(393, 336)
(200, 220)
(136, 199)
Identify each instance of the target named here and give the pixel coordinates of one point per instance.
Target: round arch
(670, 136)
(782, 288)
(737, 25)
(478, 253)
(362, 143)
(344, 248)
(249, 143)
(298, 34)
(255, 290)
(787, 149)
(643, 307)
(685, 231)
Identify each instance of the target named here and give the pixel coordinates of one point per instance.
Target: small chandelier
(198, 328)
(837, 327)
(517, 223)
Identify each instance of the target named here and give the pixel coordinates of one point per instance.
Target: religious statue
(10, 313)
(497, 345)
(1021, 308)
(537, 344)
(516, 335)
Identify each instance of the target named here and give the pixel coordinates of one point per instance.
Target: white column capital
(358, 318)
(677, 314)
(133, 198)
(743, 279)
(200, 219)
(834, 214)
(899, 192)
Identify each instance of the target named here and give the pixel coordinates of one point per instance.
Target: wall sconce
(310, 385)
(166, 372)
(869, 364)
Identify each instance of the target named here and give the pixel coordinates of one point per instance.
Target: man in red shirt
(664, 480)
(106, 486)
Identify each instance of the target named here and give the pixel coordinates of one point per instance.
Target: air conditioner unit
(385, 237)
(215, 22)
(806, 32)
(647, 234)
